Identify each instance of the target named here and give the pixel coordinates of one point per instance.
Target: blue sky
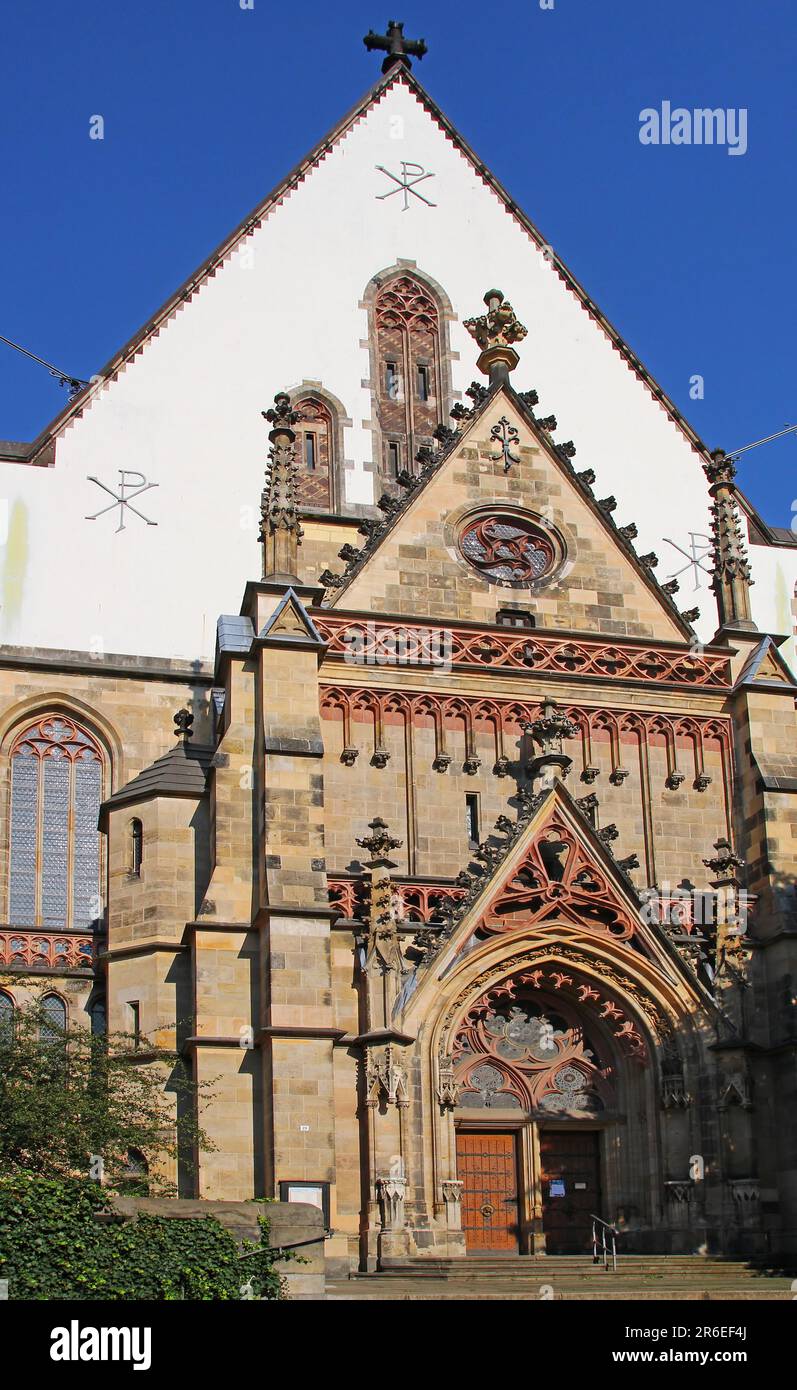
(688, 250)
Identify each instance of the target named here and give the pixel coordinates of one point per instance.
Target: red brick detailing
(381, 707)
(315, 488)
(34, 948)
(376, 645)
(407, 324)
(423, 902)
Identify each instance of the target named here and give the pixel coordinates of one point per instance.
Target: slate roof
(751, 668)
(234, 634)
(180, 772)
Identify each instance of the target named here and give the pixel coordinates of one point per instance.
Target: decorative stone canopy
(549, 730)
(725, 863)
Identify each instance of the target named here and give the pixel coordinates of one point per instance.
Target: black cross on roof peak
(394, 44)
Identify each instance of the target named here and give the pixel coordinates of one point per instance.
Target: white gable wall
(186, 411)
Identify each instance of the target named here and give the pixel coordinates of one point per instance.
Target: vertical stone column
(732, 577)
(385, 1070)
(297, 1029)
(280, 528)
(224, 960)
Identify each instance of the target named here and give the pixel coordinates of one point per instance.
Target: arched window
(53, 1019)
(411, 392)
(99, 1018)
(6, 1018)
(315, 446)
(135, 1177)
(54, 843)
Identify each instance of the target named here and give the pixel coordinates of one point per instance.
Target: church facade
(465, 879)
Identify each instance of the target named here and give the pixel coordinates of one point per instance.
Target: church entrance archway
(554, 1113)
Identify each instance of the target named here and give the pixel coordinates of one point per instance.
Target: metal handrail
(608, 1233)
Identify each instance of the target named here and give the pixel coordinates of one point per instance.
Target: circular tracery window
(507, 549)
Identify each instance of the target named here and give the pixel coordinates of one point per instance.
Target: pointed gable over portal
(552, 876)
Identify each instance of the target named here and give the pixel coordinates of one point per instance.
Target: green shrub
(53, 1246)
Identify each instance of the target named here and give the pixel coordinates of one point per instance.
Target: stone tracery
(513, 1051)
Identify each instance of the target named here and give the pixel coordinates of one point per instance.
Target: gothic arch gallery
(476, 826)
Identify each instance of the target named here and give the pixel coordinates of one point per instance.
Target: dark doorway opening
(571, 1189)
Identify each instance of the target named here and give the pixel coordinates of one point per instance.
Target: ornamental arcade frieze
(686, 739)
(383, 643)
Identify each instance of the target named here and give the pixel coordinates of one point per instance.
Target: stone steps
(638, 1277)
(450, 1293)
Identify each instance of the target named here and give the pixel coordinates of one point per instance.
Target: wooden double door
(492, 1210)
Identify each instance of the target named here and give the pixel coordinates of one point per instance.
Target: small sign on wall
(316, 1194)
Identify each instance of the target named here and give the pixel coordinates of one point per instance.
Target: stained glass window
(56, 789)
(53, 1024)
(6, 1018)
(507, 549)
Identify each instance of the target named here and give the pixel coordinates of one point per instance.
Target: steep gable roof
(344, 588)
(398, 74)
(765, 667)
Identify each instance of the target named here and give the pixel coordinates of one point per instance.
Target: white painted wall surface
(284, 308)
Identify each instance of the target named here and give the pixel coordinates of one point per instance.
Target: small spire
(495, 332)
(732, 577)
(280, 528)
(183, 721)
(394, 44)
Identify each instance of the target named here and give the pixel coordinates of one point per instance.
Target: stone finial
(495, 332)
(549, 730)
(725, 863)
(732, 577)
(280, 528)
(282, 417)
(183, 721)
(394, 44)
(721, 469)
(379, 843)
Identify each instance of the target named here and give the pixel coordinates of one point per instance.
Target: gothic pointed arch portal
(559, 1081)
(549, 1064)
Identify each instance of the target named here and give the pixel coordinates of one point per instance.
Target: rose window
(507, 549)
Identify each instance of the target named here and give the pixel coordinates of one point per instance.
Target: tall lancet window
(54, 843)
(411, 394)
(315, 442)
